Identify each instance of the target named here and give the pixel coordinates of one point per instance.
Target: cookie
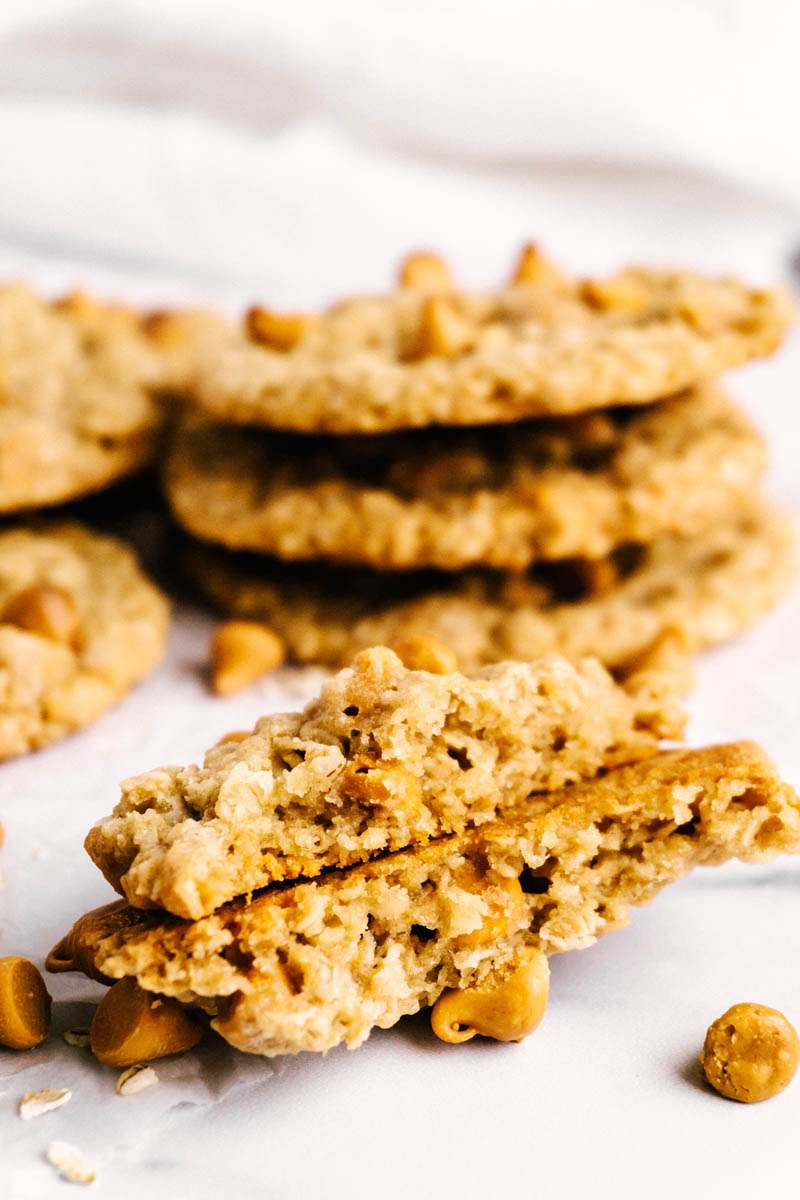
(429, 354)
(707, 588)
(502, 496)
(78, 402)
(386, 757)
(323, 962)
(79, 625)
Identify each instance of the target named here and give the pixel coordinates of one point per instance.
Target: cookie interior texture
(553, 346)
(707, 588)
(48, 686)
(307, 966)
(384, 758)
(501, 496)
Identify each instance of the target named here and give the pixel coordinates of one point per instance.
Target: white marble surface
(307, 196)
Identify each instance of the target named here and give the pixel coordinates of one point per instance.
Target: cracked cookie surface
(79, 625)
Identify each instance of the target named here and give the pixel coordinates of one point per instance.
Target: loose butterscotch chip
(506, 1008)
(278, 331)
(426, 272)
(44, 609)
(420, 653)
(132, 1026)
(241, 652)
(24, 1004)
(750, 1053)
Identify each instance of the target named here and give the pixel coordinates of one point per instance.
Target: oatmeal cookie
(83, 390)
(428, 353)
(500, 496)
(386, 757)
(310, 966)
(79, 625)
(707, 588)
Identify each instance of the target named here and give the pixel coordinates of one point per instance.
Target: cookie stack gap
(552, 465)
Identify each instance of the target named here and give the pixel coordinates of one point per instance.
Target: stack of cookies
(550, 466)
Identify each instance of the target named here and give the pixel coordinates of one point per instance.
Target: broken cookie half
(307, 966)
(385, 758)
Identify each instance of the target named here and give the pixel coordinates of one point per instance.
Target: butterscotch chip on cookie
(502, 496)
(385, 757)
(326, 961)
(706, 588)
(429, 354)
(79, 625)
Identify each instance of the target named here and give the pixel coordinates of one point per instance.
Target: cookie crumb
(136, 1079)
(35, 1104)
(70, 1163)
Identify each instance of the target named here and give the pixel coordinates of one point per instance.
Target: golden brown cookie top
(429, 353)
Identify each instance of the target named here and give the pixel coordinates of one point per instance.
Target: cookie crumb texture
(385, 758)
(751, 1053)
(323, 962)
(58, 676)
(548, 346)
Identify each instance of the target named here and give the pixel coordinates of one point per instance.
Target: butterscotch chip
(420, 653)
(425, 272)
(79, 625)
(503, 496)
(534, 267)
(46, 609)
(279, 331)
(131, 1026)
(751, 1053)
(506, 1006)
(241, 652)
(539, 347)
(24, 1004)
(325, 961)
(386, 757)
(706, 588)
(74, 952)
(442, 330)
